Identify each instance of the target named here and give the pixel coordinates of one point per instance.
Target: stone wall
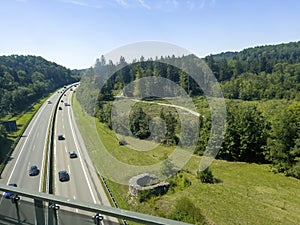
(144, 182)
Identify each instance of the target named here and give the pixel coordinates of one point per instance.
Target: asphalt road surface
(30, 150)
(84, 184)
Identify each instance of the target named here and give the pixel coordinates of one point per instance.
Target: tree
(246, 134)
(139, 123)
(284, 140)
(171, 122)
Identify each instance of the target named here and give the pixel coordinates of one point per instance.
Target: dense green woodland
(261, 85)
(26, 79)
(265, 72)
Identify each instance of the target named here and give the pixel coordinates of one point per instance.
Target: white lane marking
(33, 148)
(22, 149)
(69, 169)
(80, 158)
(66, 149)
(54, 160)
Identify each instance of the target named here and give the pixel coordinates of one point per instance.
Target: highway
(84, 184)
(30, 150)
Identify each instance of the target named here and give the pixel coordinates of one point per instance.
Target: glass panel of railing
(73, 216)
(16, 210)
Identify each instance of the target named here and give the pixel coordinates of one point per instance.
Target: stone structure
(146, 181)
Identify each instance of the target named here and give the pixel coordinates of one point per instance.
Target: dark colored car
(73, 154)
(61, 137)
(34, 171)
(59, 108)
(9, 194)
(63, 175)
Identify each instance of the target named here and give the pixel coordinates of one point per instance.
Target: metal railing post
(39, 211)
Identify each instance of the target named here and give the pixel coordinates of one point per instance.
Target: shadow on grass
(217, 181)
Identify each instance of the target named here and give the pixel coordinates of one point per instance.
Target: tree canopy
(25, 79)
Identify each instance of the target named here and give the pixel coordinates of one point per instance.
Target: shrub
(186, 211)
(205, 176)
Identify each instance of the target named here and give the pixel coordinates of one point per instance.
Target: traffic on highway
(70, 173)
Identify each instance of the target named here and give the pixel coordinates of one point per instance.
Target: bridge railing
(24, 206)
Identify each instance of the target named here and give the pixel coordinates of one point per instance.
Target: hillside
(25, 79)
(265, 72)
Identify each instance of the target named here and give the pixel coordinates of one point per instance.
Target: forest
(262, 90)
(266, 72)
(26, 79)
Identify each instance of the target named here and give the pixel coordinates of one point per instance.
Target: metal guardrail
(41, 198)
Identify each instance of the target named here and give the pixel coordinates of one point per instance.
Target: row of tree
(255, 133)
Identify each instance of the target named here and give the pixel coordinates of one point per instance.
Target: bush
(186, 211)
(145, 195)
(205, 176)
(178, 181)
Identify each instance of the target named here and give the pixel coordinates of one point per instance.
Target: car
(9, 194)
(49, 102)
(67, 104)
(63, 175)
(72, 154)
(34, 171)
(61, 100)
(65, 94)
(61, 137)
(59, 108)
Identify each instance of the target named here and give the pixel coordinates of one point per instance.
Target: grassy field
(22, 121)
(246, 193)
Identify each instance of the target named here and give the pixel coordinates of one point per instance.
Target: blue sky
(73, 33)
